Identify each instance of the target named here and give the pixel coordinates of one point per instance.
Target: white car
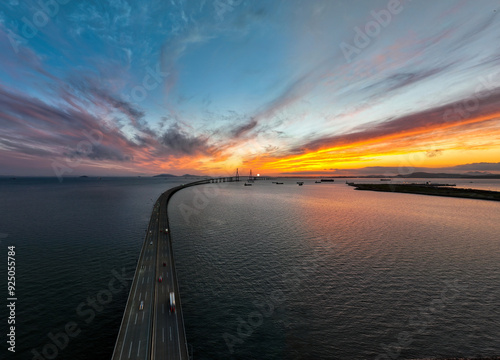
(172, 302)
(141, 305)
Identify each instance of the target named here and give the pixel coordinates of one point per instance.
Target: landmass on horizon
(417, 175)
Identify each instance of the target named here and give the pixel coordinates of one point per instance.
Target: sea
(268, 271)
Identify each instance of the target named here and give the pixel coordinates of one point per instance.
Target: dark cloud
(401, 80)
(179, 142)
(243, 129)
(99, 152)
(446, 116)
(32, 127)
(433, 153)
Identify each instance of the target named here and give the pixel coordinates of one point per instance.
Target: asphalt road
(153, 332)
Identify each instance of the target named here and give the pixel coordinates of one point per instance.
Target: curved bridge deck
(149, 330)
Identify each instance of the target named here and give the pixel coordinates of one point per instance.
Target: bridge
(150, 329)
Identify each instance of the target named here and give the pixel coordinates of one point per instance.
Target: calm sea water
(266, 272)
(70, 238)
(323, 271)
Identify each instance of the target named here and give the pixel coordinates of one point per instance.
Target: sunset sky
(282, 87)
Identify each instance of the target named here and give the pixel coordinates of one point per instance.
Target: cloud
(291, 93)
(32, 127)
(179, 142)
(245, 128)
(433, 153)
(68, 131)
(441, 117)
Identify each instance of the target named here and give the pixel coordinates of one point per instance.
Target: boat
(278, 183)
(318, 182)
(300, 183)
(327, 180)
(385, 179)
(247, 184)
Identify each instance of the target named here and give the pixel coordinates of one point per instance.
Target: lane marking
(163, 334)
(142, 317)
(128, 321)
(129, 350)
(142, 280)
(163, 308)
(139, 348)
(170, 333)
(178, 334)
(135, 322)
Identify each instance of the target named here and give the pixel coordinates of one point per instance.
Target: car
(160, 279)
(172, 302)
(166, 230)
(164, 264)
(141, 305)
(151, 242)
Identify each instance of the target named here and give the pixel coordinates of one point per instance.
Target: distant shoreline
(431, 190)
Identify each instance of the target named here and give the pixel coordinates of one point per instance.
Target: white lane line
(178, 334)
(163, 334)
(142, 280)
(142, 317)
(146, 296)
(163, 308)
(148, 280)
(163, 290)
(128, 321)
(135, 322)
(129, 350)
(140, 295)
(139, 348)
(170, 333)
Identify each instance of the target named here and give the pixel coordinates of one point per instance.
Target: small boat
(278, 183)
(327, 180)
(385, 179)
(318, 182)
(300, 183)
(247, 184)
